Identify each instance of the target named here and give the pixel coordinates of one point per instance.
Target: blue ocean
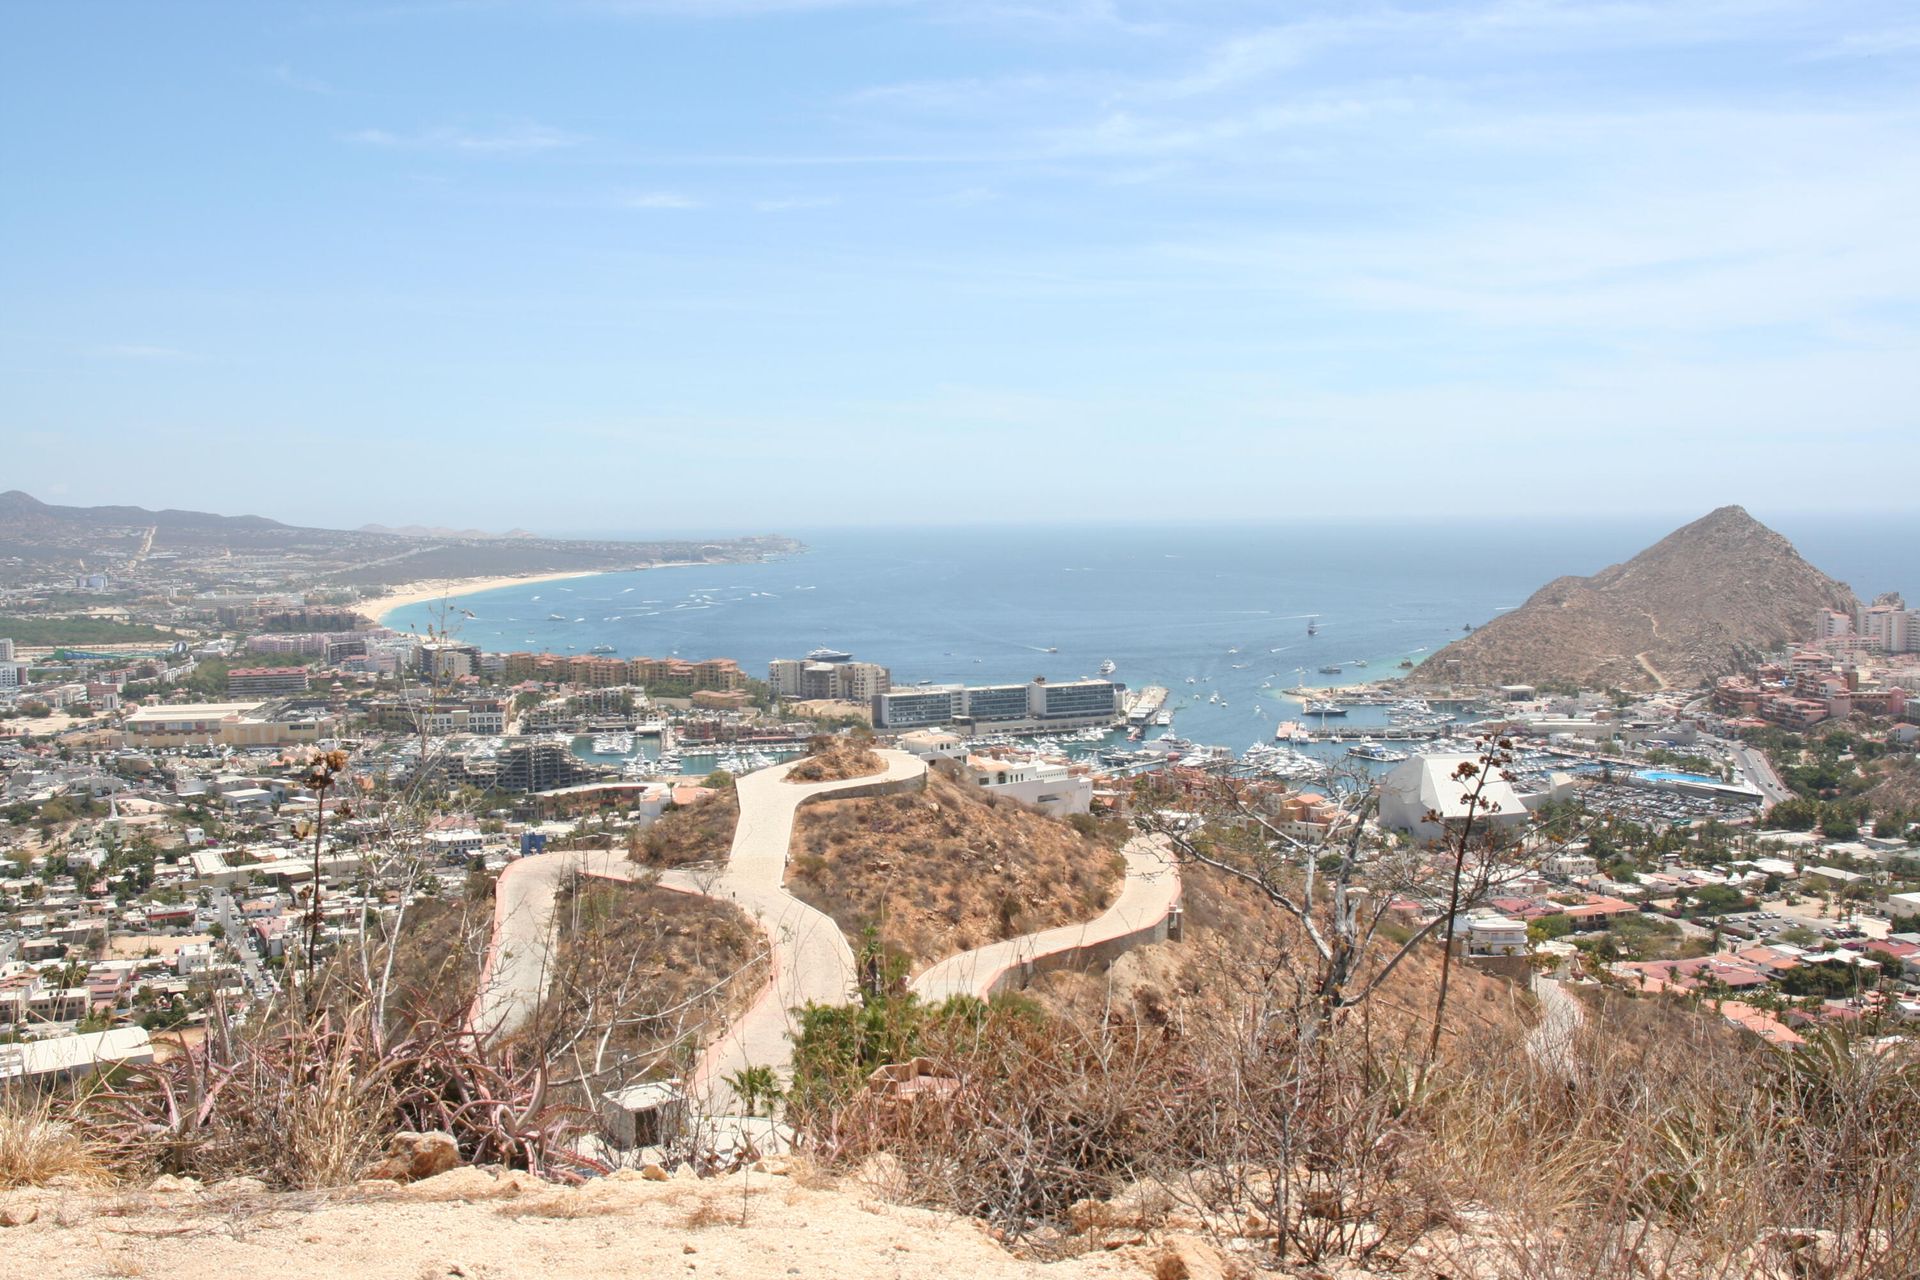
(1225, 607)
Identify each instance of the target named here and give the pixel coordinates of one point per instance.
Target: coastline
(429, 590)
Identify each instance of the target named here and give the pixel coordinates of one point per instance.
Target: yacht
(1313, 626)
(556, 617)
(1370, 750)
(1324, 709)
(601, 648)
(1329, 671)
(1107, 668)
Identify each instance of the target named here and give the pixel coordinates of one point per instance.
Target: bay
(1225, 606)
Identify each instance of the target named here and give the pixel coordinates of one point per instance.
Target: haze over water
(981, 605)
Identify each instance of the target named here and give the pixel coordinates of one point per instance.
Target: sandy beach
(431, 589)
(378, 607)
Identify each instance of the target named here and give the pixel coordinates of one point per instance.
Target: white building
(1492, 934)
(1570, 866)
(1047, 785)
(1427, 785)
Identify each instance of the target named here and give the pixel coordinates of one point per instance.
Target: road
(1758, 770)
(1151, 889)
(234, 926)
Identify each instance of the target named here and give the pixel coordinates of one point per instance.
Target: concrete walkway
(1147, 898)
(812, 961)
(810, 958)
(520, 955)
(1551, 1042)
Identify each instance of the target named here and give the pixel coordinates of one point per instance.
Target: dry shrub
(643, 977)
(1038, 1116)
(309, 1100)
(699, 832)
(1679, 1146)
(1675, 1147)
(940, 870)
(39, 1144)
(837, 759)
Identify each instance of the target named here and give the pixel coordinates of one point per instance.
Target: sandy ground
(378, 607)
(475, 1224)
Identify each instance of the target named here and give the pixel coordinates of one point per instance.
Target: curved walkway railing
(1142, 914)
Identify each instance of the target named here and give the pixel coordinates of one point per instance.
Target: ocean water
(1224, 606)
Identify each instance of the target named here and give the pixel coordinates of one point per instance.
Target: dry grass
(700, 832)
(837, 759)
(1672, 1147)
(643, 977)
(38, 1144)
(946, 869)
(438, 955)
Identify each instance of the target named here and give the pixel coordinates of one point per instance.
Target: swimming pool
(1669, 775)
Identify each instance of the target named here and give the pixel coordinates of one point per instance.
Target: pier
(1354, 733)
(1143, 706)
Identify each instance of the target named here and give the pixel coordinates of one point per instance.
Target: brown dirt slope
(701, 832)
(1234, 945)
(1692, 606)
(650, 972)
(948, 869)
(836, 760)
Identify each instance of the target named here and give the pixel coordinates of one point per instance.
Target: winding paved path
(1147, 897)
(811, 960)
(1551, 1042)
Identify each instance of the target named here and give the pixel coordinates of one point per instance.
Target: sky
(746, 265)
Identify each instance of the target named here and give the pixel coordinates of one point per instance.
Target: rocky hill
(1692, 606)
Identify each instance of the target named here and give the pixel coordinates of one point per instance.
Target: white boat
(1107, 668)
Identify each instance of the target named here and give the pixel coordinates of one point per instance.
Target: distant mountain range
(36, 537)
(435, 531)
(1695, 605)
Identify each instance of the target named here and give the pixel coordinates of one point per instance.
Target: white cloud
(287, 78)
(144, 351)
(658, 200)
(785, 204)
(515, 140)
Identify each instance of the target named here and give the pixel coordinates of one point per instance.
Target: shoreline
(428, 590)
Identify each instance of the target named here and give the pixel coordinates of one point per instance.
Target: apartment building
(267, 682)
(828, 674)
(1037, 706)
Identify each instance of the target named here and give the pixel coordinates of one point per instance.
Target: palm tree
(755, 1085)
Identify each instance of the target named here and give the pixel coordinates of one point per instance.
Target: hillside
(115, 538)
(947, 869)
(1692, 606)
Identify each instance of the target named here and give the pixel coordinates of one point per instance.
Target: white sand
(378, 607)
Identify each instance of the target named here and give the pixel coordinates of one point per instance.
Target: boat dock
(1294, 732)
(1143, 706)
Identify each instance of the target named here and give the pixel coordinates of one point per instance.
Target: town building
(1038, 706)
(231, 724)
(1422, 797)
(828, 675)
(267, 682)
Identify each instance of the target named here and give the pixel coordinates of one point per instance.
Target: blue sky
(753, 264)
